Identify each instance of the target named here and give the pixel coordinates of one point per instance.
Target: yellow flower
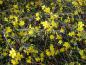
(62, 49)
(13, 18)
(47, 9)
(54, 24)
(45, 24)
(59, 36)
(48, 53)
(53, 16)
(51, 37)
(37, 28)
(37, 18)
(37, 14)
(31, 32)
(80, 26)
(41, 56)
(66, 44)
(37, 59)
(14, 10)
(62, 30)
(14, 61)
(29, 59)
(49, 29)
(52, 50)
(21, 23)
(79, 34)
(15, 23)
(83, 56)
(18, 56)
(60, 42)
(41, 59)
(21, 33)
(71, 33)
(32, 50)
(81, 52)
(8, 30)
(43, 7)
(12, 53)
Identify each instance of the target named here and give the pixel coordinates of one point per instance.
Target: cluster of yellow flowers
(40, 30)
(80, 26)
(51, 51)
(16, 56)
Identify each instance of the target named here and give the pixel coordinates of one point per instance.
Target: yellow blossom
(43, 7)
(49, 29)
(21, 23)
(32, 50)
(31, 32)
(51, 37)
(14, 61)
(15, 23)
(18, 56)
(59, 36)
(60, 41)
(12, 53)
(29, 59)
(52, 50)
(66, 44)
(47, 9)
(62, 30)
(41, 56)
(83, 56)
(62, 49)
(80, 26)
(48, 53)
(71, 33)
(45, 24)
(13, 18)
(37, 14)
(8, 30)
(79, 34)
(54, 24)
(37, 18)
(37, 59)
(53, 16)
(81, 52)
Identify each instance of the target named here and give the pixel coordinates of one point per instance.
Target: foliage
(43, 32)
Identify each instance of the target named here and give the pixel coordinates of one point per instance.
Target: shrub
(42, 32)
